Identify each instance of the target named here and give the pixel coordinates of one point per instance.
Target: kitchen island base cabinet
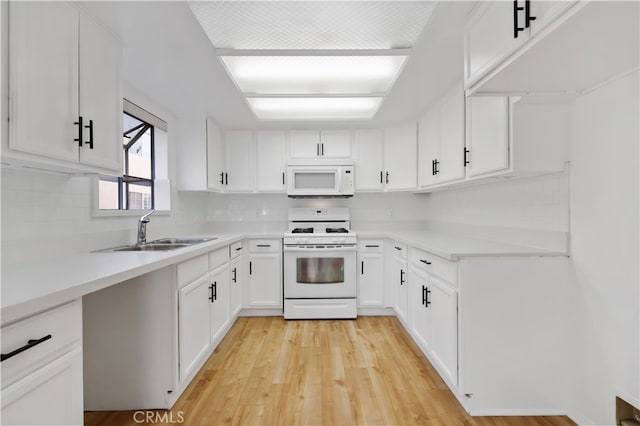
(130, 343)
(513, 315)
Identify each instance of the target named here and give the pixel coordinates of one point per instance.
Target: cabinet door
(51, 395)
(215, 157)
(371, 280)
(335, 143)
(451, 155)
(270, 158)
(443, 331)
(194, 328)
(369, 163)
(420, 321)
(487, 134)
(428, 146)
(100, 97)
(304, 143)
(401, 290)
(489, 39)
(238, 148)
(43, 75)
(265, 280)
(401, 148)
(237, 281)
(219, 307)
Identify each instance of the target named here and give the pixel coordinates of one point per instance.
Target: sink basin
(164, 244)
(187, 241)
(149, 247)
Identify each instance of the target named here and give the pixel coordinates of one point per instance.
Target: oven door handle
(319, 249)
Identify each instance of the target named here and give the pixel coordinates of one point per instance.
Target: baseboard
(264, 312)
(376, 312)
(518, 412)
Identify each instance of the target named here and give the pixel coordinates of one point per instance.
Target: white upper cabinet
(328, 144)
(569, 48)
(63, 66)
(369, 160)
(491, 36)
(270, 159)
(401, 146)
(238, 148)
(441, 140)
(487, 134)
(101, 95)
(215, 157)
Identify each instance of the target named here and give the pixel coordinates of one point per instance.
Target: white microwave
(320, 180)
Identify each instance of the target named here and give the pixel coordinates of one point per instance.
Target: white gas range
(319, 264)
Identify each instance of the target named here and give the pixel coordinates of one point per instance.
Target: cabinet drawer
(218, 257)
(435, 265)
(57, 329)
(267, 245)
(399, 249)
(235, 249)
(192, 269)
(371, 246)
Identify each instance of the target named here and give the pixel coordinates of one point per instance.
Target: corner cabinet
(42, 381)
(65, 106)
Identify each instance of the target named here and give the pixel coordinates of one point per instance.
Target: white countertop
(452, 247)
(32, 287)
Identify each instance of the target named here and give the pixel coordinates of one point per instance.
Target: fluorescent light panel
(309, 108)
(314, 74)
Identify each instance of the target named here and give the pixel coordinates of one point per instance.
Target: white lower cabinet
(434, 311)
(371, 273)
(194, 330)
(146, 338)
(399, 281)
(495, 329)
(264, 288)
(42, 384)
(237, 282)
(219, 298)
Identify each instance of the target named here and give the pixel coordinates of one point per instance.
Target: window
(144, 159)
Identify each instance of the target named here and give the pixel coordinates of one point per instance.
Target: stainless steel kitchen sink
(164, 244)
(188, 241)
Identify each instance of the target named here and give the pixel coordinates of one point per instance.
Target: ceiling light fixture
(314, 108)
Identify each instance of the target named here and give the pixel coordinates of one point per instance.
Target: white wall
(604, 237)
(530, 211)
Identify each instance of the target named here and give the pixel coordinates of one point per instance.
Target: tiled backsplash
(39, 210)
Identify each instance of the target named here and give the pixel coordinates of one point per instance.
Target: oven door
(319, 272)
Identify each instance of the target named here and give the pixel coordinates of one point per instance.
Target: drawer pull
(263, 245)
(398, 248)
(372, 246)
(239, 248)
(426, 262)
(30, 343)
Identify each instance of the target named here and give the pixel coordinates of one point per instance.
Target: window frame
(149, 121)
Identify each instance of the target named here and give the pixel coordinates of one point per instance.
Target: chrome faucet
(142, 227)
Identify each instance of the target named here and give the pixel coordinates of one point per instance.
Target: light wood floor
(268, 371)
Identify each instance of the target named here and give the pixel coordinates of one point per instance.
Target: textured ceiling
(312, 24)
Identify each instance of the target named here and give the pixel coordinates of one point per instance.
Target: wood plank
(268, 371)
